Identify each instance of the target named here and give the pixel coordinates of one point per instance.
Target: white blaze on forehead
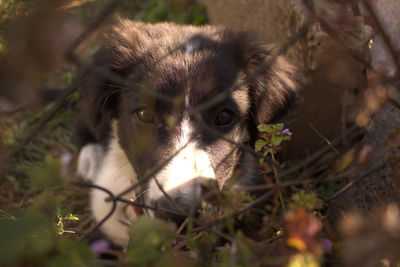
(185, 133)
(185, 168)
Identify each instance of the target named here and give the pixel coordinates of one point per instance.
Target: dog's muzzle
(179, 186)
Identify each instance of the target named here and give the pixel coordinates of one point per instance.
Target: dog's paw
(89, 161)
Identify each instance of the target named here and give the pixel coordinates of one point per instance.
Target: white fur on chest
(116, 175)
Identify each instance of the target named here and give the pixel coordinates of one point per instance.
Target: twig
(318, 154)
(277, 179)
(61, 100)
(323, 138)
(152, 172)
(109, 214)
(182, 226)
(272, 239)
(263, 187)
(93, 25)
(354, 182)
(235, 213)
(394, 102)
(185, 242)
(44, 119)
(144, 206)
(224, 236)
(309, 4)
(173, 202)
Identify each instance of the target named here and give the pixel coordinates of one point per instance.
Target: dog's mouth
(183, 202)
(162, 210)
(137, 210)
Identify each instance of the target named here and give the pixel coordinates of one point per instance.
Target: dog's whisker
(139, 195)
(113, 85)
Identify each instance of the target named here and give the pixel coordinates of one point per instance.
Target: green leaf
(279, 126)
(150, 238)
(265, 128)
(308, 201)
(260, 143)
(29, 234)
(71, 253)
(47, 175)
(71, 217)
(276, 140)
(60, 228)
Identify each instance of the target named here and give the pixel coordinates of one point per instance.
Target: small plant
(150, 240)
(60, 222)
(308, 201)
(272, 135)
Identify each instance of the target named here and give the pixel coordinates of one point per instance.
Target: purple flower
(99, 246)
(286, 132)
(326, 243)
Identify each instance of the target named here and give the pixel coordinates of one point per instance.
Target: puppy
(170, 107)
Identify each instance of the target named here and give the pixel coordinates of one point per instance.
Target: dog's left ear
(272, 80)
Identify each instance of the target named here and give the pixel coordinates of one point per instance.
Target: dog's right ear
(273, 81)
(104, 78)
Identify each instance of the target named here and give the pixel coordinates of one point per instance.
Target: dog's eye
(224, 117)
(145, 115)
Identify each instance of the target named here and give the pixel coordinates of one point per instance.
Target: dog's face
(187, 101)
(181, 128)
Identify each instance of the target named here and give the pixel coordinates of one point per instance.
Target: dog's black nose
(185, 201)
(171, 214)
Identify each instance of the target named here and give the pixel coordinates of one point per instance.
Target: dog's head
(186, 101)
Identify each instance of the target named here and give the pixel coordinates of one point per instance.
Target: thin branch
(144, 206)
(264, 187)
(319, 153)
(90, 28)
(62, 99)
(44, 119)
(355, 181)
(309, 4)
(323, 138)
(272, 239)
(236, 213)
(152, 172)
(394, 102)
(173, 202)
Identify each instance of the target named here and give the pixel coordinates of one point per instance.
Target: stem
(276, 174)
